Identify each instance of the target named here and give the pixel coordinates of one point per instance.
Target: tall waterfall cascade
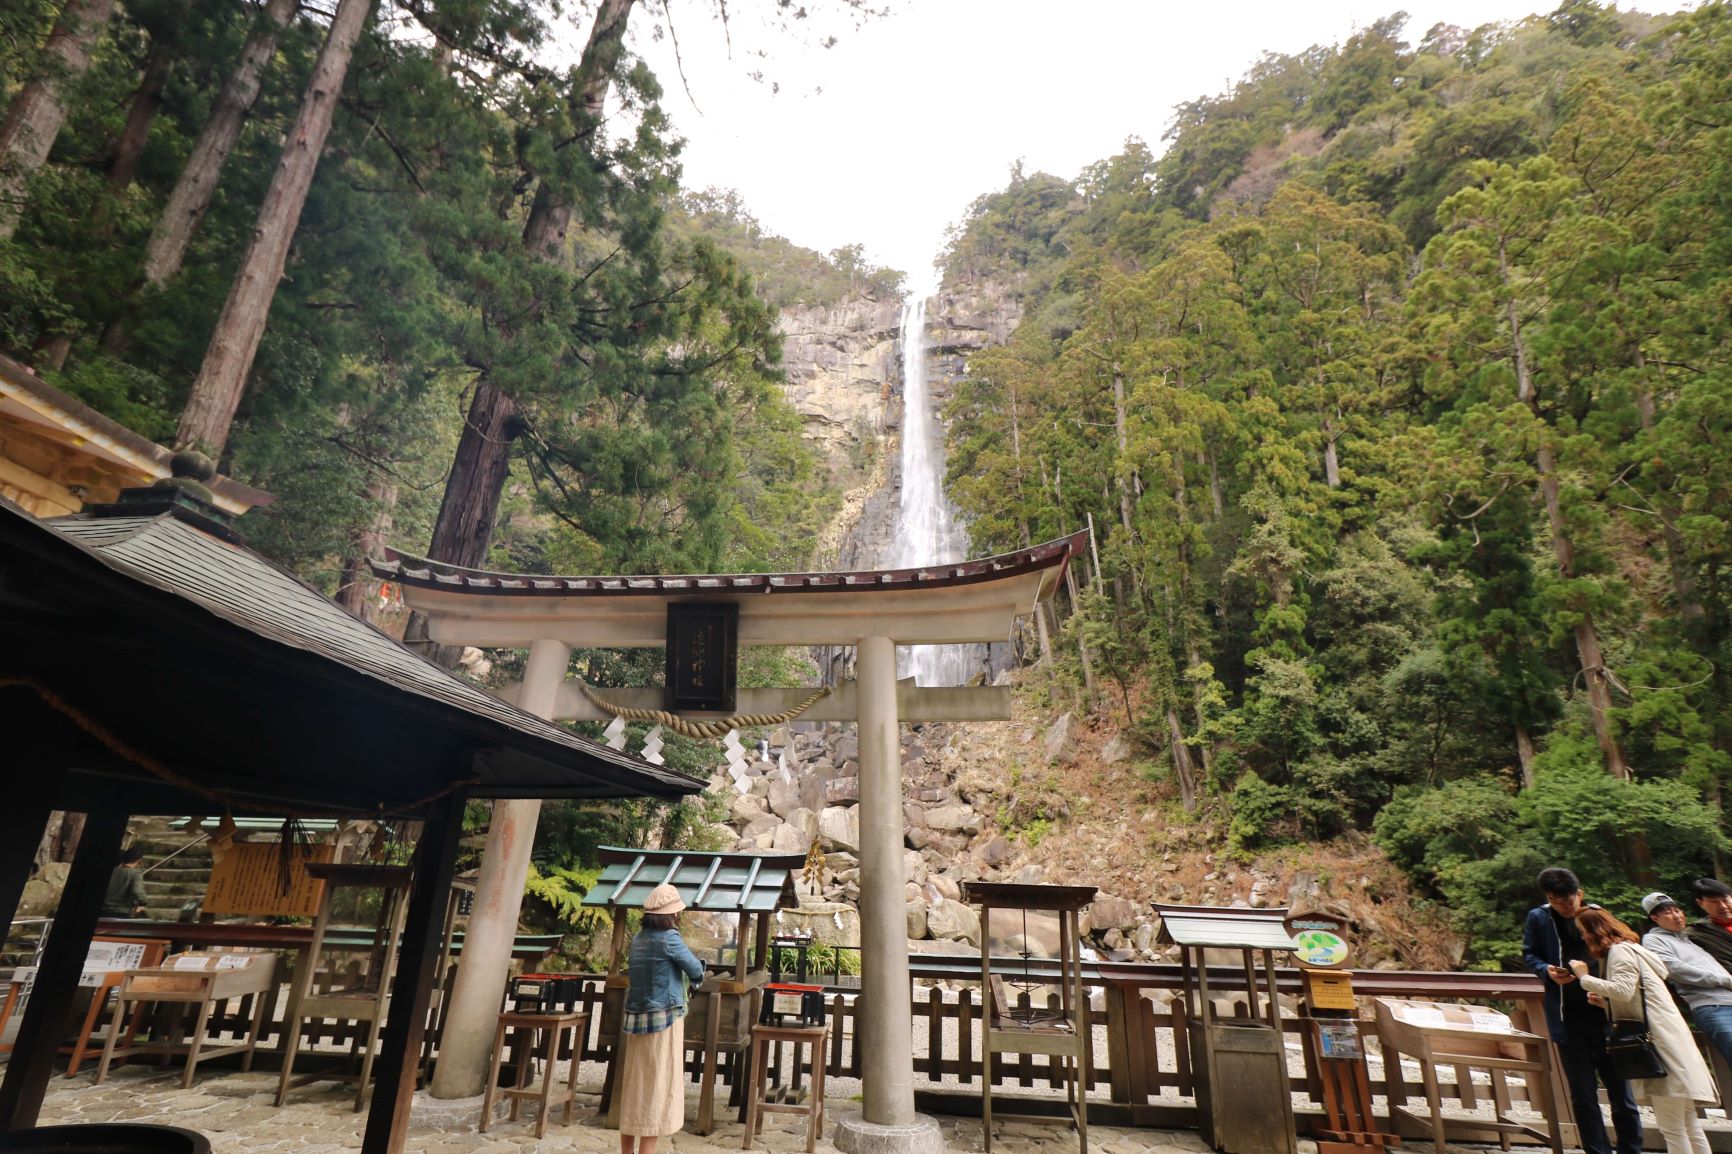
(928, 531)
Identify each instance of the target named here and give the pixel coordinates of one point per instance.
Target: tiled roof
(423, 573)
(325, 649)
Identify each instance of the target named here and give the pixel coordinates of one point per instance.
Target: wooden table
(556, 1026)
(812, 1106)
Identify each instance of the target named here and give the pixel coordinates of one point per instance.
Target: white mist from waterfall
(927, 529)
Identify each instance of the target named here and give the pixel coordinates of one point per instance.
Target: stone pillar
(467, 1043)
(887, 1123)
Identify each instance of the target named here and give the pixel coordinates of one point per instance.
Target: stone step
(161, 891)
(170, 873)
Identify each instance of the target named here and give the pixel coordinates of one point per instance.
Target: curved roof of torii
(970, 601)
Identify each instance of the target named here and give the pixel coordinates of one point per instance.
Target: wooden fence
(1140, 1070)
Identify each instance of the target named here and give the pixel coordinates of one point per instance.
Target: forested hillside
(1399, 392)
(494, 308)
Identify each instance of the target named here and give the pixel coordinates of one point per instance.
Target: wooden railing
(1140, 1070)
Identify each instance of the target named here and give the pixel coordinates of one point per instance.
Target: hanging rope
(702, 730)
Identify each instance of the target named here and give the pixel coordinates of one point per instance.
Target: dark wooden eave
(212, 660)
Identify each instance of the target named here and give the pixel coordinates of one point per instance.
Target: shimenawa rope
(701, 729)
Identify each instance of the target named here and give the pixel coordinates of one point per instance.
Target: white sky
(923, 110)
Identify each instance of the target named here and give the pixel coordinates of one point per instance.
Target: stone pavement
(234, 1110)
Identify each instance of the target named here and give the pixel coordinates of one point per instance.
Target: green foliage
(1396, 391)
(561, 890)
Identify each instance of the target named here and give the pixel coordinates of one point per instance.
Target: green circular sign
(1320, 948)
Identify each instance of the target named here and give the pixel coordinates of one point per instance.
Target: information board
(247, 878)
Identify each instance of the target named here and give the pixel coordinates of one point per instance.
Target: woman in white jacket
(1632, 970)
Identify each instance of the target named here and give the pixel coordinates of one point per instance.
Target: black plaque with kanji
(703, 647)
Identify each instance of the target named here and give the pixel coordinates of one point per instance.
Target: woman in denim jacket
(652, 1082)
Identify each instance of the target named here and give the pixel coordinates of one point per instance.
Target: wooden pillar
(45, 1018)
(467, 1041)
(22, 820)
(412, 989)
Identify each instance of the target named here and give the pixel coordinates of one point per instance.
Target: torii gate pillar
(888, 1123)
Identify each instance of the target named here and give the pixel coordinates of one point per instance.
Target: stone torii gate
(875, 611)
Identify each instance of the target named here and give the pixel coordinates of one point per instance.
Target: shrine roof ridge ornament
(420, 572)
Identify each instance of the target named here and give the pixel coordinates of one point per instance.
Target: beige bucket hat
(664, 899)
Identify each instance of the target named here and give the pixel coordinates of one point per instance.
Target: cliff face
(841, 361)
(963, 318)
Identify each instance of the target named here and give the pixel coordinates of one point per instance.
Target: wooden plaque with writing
(247, 879)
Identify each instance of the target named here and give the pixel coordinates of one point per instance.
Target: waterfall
(927, 529)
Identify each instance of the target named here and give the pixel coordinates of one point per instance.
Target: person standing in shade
(1550, 942)
(1713, 932)
(652, 1083)
(1703, 983)
(1634, 990)
(125, 895)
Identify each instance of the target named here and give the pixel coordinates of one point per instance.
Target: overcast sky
(886, 137)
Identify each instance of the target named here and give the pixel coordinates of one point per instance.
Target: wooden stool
(556, 1025)
(756, 1104)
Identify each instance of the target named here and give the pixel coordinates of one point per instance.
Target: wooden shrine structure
(154, 665)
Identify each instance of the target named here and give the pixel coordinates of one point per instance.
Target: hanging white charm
(738, 765)
(652, 746)
(615, 734)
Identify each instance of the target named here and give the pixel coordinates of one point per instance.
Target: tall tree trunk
(198, 180)
(146, 100)
(1182, 760)
(464, 527)
(356, 584)
(550, 215)
(216, 393)
(1588, 652)
(34, 117)
(1525, 752)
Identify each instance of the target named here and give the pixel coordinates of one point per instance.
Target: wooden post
(22, 821)
(412, 989)
(45, 1019)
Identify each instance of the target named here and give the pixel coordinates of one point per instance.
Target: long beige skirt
(652, 1083)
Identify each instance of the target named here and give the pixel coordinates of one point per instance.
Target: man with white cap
(1702, 982)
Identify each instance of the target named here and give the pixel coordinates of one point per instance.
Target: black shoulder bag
(1629, 1045)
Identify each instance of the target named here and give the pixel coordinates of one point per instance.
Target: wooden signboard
(247, 879)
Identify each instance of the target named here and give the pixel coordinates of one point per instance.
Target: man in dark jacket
(1550, 942)
(125, 895)
(1713, 932)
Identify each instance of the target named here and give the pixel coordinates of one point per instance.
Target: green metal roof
(730, 882)
(1223, 927)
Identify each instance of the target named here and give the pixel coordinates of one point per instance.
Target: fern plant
(561, 890)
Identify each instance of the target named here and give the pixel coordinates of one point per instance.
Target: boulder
(784, 796)
(945, 887)
(745, 806)
(1060, 743)
(829, 923)
(1108, 912)
(917, 928)
(841, 789)
(955, 818)
(805, 821)
(787, 839)
(998, 852)
(762, 824)
(1117, 750)
(954, 920)
(760, 787)
(839, 827)
(914, 866)
(847, 748)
